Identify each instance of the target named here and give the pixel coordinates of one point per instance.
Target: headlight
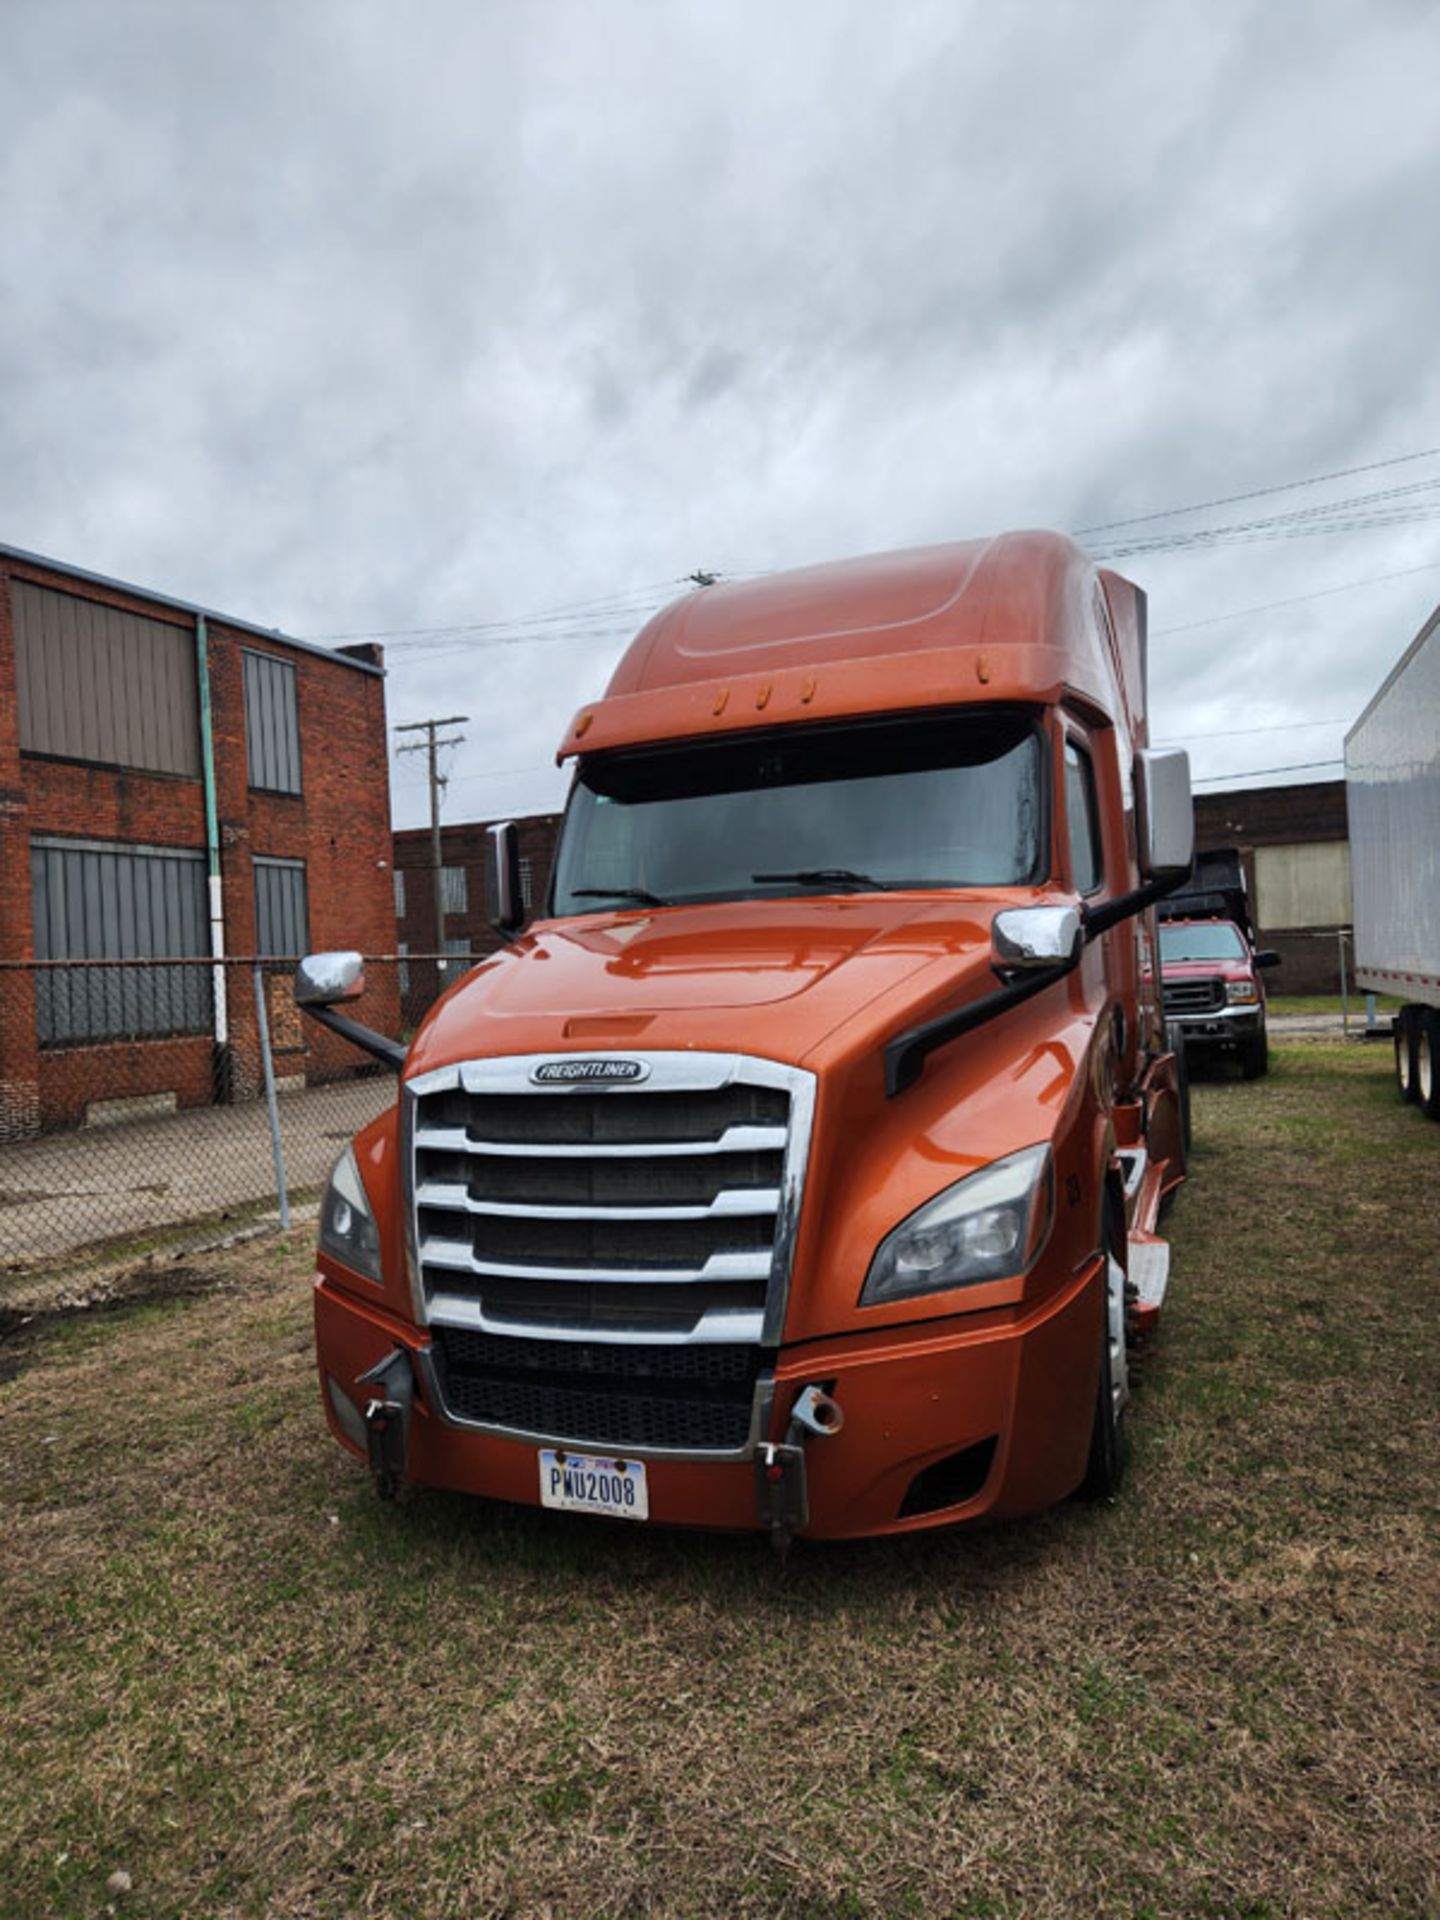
(986, 1227)
(1241, 993)
(347, 1226)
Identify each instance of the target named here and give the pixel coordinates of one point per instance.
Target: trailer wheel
(1109, 1449)
(1427, 1062)
(1403, 1028)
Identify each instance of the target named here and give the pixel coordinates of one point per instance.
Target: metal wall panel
(96, 899)
(1302, 886)
(272, 723)
(1392, 773)
(282, 908)
(97, 684)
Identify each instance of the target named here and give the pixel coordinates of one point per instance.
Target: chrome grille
(1193, 996)
(660, 1211)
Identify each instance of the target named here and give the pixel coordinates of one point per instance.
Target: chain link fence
(151, 1107)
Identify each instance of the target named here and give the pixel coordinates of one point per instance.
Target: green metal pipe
(212, 831)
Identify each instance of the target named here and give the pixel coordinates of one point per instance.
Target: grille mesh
(679, 1397)
(662, 1308)
(1194, 996)
(572, 1119)
(635, 1245)
(674, 1180)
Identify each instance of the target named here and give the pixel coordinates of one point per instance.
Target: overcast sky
(350, 318)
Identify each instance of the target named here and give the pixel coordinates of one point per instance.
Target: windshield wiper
(642, 894)
(825, 877)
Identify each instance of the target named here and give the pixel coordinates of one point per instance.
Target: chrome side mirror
(1164, 812)
(502, 878)
(1027, 939)
(323, 979)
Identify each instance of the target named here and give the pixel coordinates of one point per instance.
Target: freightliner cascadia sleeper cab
(799, 1169)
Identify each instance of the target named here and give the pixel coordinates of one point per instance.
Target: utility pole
(431, 745)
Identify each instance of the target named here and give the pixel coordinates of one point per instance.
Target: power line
(492, 773)
(1257, 773)
(616, 630)
(608, 602)
(1259, 493)
(1294, 600)
(1234, 733)
(1341, 516)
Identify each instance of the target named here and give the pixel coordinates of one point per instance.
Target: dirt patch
(23, 1330)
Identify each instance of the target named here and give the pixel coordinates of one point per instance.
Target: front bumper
(1221, 1027)
(1007, 1400)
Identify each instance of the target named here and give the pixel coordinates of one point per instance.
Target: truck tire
(1255, 1056)
(1109, 1447)
(1427, 1062)
(1403, 1028)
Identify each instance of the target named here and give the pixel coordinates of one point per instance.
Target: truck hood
(1174, 970)
(771, 977)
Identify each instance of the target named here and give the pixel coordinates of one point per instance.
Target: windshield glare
(1217, 940)
(943, 801)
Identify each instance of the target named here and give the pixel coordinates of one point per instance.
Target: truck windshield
(942, 801)
(1214, 940)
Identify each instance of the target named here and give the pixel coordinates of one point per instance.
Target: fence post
(269, 1069)
(1344, 990)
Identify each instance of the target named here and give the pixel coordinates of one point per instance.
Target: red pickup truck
(1210, 968)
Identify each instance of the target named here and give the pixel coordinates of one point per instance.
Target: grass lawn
(226, 1672)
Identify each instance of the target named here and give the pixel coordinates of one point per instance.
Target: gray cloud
(352, 318)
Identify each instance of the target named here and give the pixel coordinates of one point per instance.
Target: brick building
(173, 783)
(1295, 845)
(465, 853)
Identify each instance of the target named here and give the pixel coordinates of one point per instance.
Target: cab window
(1082, 819)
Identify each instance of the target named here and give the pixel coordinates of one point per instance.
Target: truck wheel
(1427, 1063)
(1255, 1059)
(1109, 1451)
(1403, 1028)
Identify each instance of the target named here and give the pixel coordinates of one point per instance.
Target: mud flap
(780, 1490)
(387, 1420)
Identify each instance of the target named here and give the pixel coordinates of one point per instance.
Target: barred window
(399, 894)
(272, 723)
(525, 883)
(454, 890)
(402, 948)
(101, 900)
(282, 908)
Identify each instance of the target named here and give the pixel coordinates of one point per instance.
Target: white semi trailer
(1392, 780)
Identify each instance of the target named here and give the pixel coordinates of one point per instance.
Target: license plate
(583, 1483)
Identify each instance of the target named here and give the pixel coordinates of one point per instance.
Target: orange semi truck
(799, 1168)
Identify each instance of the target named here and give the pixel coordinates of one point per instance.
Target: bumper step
(1149, 1275)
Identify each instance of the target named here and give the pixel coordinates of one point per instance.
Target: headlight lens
(347, 1226)
(986, 1227)
(1241, 993)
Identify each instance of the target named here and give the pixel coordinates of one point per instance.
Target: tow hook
(780, 1469)
(387, 1420)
